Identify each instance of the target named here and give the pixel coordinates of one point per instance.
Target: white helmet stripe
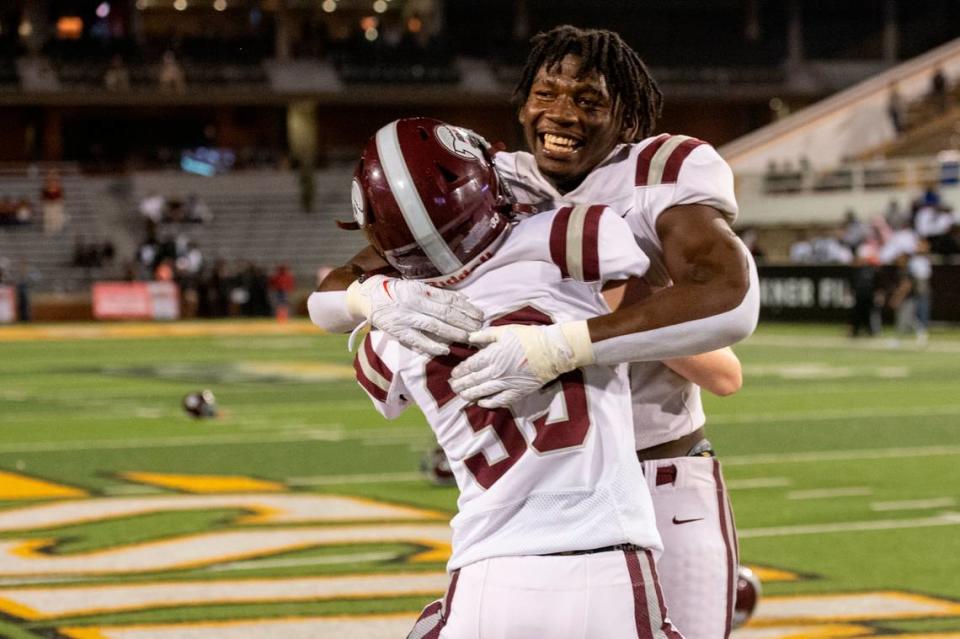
(408, 199)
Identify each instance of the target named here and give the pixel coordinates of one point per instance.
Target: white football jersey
(556, 472)
(641, 181)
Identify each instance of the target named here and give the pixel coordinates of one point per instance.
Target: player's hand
(517, 360)
(419, 316)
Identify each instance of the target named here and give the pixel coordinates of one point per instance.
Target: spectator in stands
(24, 211)
(934, 223)
(902, 241)
(895, 109)
(865, 315)
(198, 211)
(54, 216)
(172, 77)
(164, 271)
(894, 215)
(751, 241)
(801, 251)
(938, 90)
(281, 286)
(153, 207)
(854, 231)
(910, 298)
(117, 77)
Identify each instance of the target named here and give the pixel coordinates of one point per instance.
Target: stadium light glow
(180, 5)
(371, 34)
(380, 6)
(329, 6)
(103, 9)
(25, 30)
(220, 5)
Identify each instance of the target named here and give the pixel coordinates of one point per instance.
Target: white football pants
(698, 567)
(605, 595)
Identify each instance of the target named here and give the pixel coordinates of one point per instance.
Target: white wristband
(358, 302)
(578, 336)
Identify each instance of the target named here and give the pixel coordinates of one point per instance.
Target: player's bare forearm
(718, 371)
(340, 278)
(709, 269)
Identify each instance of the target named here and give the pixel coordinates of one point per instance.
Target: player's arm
(419, 316)
(714, 302)
(719, 371)
(376, 367)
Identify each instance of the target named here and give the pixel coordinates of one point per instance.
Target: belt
(682, 447)
(616, 547)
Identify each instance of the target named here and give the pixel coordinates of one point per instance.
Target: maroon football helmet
(748, 595)
(429, 199)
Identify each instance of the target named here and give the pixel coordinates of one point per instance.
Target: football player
(588, 108)
(549, 517)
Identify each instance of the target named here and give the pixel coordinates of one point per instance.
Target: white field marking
(856, 607)
(837, 413)
(46, 603)
(261, 508)
(325, 560)
(913, 504)
(834, 343)
(356, 627)
(342, 480)
(830, 493)
(149, 412)
(893, 372)
(19, 557)
(758, 482)
(943, 519)
(840, 455)
(822, 631)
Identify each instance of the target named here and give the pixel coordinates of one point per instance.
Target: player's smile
(569, 122)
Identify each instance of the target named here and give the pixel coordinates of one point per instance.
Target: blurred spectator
(938, 89)
(901, 242)
(281, 286)
(751, 241)
(910, 298)
(801, 251)
(117, 77)
(895, 109)
(54, 216)
(854, 231)
(934, 223)
(24, 211)
(8, 211)
(828, 249)
(197, 210)
(164, 271)
(172, 77)
(894, 215)
(152, 208)
(865, 315)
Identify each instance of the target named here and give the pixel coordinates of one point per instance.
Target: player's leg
(699, 564)
(625, 598)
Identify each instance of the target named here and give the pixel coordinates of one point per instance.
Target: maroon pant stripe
(726, 527)
(671, 169)
(374, 360)
(640, 612)
(558, 239)
(646, 156)
(447, 606)
(667, 626)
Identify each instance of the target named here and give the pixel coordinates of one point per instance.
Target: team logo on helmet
(459, 142)
(356, 200)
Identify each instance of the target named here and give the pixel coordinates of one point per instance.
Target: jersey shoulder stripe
(660, 161)
(372, 372)
(574, 240)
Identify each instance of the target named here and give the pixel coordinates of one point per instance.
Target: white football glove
(517, 360)
(419, 316)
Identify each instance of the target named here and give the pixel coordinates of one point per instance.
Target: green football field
(299, 512)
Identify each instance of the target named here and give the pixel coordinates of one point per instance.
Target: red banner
(136, 300)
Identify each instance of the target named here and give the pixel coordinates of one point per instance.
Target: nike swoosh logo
(685, 521)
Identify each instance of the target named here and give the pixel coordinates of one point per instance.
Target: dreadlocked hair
(636, 96)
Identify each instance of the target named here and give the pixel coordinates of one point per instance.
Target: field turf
(843, 459)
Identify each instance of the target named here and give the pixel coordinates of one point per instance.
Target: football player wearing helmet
(549, 514)
(588, 108)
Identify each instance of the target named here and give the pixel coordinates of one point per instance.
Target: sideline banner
(825, 293)
(8, 305)
(136, 300)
